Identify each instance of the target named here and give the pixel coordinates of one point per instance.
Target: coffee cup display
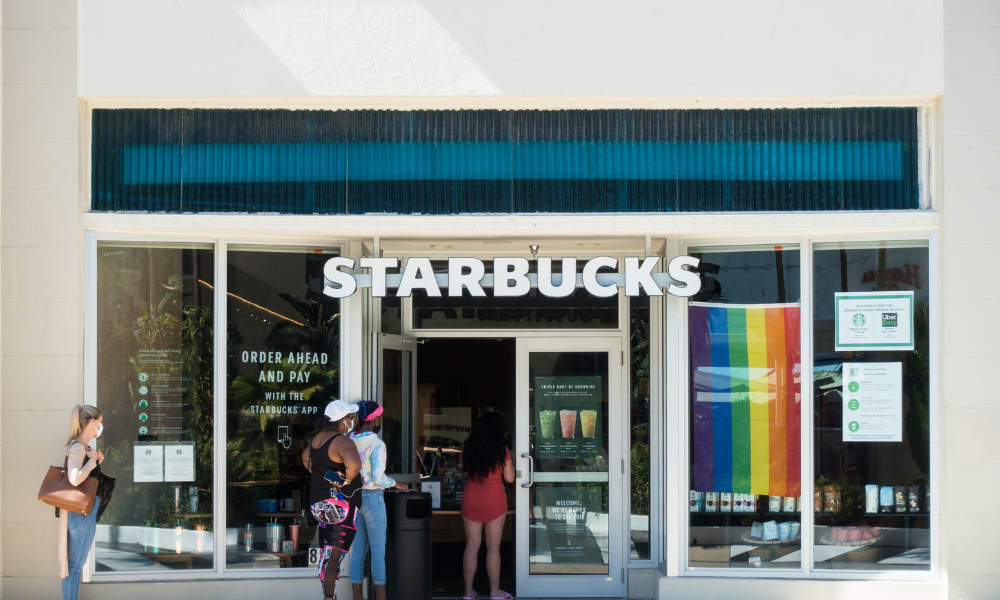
(287, 505)
(567, 419)
(548, 419)
(266, 506)
(588, 421)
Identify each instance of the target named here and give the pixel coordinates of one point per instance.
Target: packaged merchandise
(871, 498)
(738, 503)
(784, 531)
(770, 531)
(796, 529)
(900, 494)
(749, 503)
(818, 500)
(697, 500)
(726, 502)
(913, 499)
(789, 504)
(885, 501)
(774, 504)
(831, 499)
(798, 504)
(757, 530)
(711, 502)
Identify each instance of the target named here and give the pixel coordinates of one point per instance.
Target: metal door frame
(612, 585)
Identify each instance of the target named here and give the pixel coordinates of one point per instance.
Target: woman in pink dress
(487, 463)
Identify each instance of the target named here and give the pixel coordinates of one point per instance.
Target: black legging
(336, 538)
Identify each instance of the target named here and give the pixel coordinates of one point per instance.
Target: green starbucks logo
(858, 320)
(853, 386)
(143, 377)
(853, 405)
(854, 427)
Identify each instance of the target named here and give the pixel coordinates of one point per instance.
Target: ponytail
(81, 416)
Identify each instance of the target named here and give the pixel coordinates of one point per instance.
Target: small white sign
(147, 463)
(873, 402)
(434, 488)
(178, 462)
(874, 321)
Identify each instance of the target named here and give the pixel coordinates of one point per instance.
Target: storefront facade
(738, 392)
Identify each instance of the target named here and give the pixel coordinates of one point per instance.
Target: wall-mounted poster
(874, 321)
(178, 462)
(568, 417)
(873, 402)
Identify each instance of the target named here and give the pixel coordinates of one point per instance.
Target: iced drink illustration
(567, 418)
(588, 419)
(548, 419)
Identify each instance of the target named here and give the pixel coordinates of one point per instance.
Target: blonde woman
(76, 531)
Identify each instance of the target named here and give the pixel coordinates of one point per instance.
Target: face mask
(350, 425)
(376, 429)
(100, 429)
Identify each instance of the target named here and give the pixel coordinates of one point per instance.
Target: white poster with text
(147, 463)
(873, 402)
(178, 462)
(874, 321)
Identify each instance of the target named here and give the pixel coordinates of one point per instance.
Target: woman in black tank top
(334, 505)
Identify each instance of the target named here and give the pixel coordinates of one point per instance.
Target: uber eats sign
(512, 276)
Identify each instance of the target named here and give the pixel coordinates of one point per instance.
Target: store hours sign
(874, 321)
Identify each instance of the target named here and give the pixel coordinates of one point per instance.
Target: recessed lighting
(588, 244)
(496, 242)
(441, 246)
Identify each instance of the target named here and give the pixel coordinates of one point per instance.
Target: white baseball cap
(338, 409)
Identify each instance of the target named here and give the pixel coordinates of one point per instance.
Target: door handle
(531, 471)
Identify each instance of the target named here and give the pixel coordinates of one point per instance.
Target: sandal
(474, 596)
(505, 596)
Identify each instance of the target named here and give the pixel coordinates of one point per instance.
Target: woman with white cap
(335, 495)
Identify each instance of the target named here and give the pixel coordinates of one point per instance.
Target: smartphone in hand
(334, 477)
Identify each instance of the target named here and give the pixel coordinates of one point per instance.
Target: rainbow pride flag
(745, 373)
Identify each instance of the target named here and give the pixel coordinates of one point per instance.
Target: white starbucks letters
(511, 277)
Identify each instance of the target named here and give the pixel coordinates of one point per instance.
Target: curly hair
(486, 447)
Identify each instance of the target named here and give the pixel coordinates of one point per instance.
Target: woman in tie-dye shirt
(371, 525)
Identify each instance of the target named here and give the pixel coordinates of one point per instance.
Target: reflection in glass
(154, 385)
(568, 404)
(282, 370)
(745, 409)
(639, 446)
(872, 498)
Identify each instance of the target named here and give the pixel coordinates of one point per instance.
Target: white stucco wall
(522, 47)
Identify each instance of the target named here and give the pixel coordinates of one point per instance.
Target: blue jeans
(81, 537)
(371, 530)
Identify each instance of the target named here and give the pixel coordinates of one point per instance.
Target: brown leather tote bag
(57, 491)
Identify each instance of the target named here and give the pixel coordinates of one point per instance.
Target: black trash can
(408, 545)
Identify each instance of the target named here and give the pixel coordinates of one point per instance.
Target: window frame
(220, 245)
(681, 429)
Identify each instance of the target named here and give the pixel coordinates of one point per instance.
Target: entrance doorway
(561, 398)
(458, 381)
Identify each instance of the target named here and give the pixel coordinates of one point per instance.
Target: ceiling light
(442, 246)
(496, 242)
(588, 244)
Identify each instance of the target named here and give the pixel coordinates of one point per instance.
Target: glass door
(396, 384)
(569, 457)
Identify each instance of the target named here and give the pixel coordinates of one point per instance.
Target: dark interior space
(457, 381)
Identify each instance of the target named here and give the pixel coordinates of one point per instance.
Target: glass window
(639, 428)
(745, 401)
(154, 386)
(580, 310)
(283, 368)
(871, 406)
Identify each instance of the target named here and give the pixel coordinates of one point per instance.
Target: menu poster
(568, 510)
(178, 462)
(147, 463)
(161, 387)
(873, 402)
(568, 417)
(874, 321)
